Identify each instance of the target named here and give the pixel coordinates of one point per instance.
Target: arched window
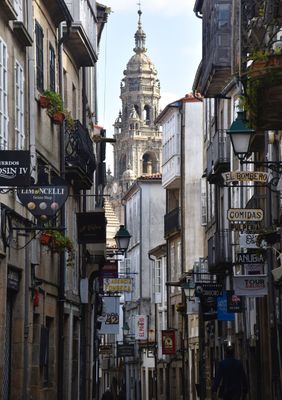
(146, 114)
(122, 165)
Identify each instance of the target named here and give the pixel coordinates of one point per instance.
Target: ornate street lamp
(189, 289)
(241, 136)
(122, 239)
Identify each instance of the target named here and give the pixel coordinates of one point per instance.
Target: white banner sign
(110, 317)
(248, 240)
(141, 327)
(250, 285)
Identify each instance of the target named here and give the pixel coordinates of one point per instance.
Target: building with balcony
(241, 80)
(41, 334)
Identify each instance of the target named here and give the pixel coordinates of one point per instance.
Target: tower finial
(140, 35)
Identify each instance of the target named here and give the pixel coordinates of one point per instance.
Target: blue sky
(173, 41)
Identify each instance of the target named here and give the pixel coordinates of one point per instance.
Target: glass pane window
(19, 107)
(52, 68)
(39, 57)
(3, 96)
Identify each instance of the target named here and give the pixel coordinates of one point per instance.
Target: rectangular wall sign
(250, 285)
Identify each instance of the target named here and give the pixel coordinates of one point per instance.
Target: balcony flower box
(44, 101)
(57, 242)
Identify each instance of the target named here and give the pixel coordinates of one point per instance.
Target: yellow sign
(245, 214)
(118, 285)
(245, 176)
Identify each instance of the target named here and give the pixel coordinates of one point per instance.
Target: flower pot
(45, 239)
(44, 101)
(58, 117)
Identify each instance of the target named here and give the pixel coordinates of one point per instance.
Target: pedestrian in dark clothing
(108, 395)
(230, 378)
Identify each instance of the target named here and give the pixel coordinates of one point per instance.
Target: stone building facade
(47, 45)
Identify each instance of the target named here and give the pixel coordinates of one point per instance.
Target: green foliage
(57, 241)
(56, 102)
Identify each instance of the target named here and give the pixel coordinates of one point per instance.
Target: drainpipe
(156, 342)
(26, 319)
(31, 137)
(61, 291)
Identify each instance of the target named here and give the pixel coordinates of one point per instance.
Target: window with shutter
(4, 119)
(39, 57)
(19, 106)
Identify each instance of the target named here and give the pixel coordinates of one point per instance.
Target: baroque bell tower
(138, 146)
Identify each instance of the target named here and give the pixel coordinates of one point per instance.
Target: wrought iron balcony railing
(172, 222)
(79, 157)
(220, 251)
(218, 156)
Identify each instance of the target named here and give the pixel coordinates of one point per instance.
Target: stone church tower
(138, 146)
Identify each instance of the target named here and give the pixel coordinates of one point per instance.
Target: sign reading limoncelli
(43, 201)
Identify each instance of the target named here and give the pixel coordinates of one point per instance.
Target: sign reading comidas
(43, 201)
(245, 214)
(14, 168)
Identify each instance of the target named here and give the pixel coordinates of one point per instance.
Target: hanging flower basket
(58, 117)
(57, 242)
(44, 101)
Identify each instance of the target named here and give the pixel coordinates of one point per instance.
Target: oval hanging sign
(43, 201)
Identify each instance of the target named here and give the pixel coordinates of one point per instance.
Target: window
(19, 107)
(52, 68)
(39, 57)
(18, 6)
(3, 96)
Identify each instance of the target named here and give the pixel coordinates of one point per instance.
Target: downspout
(156, 342)
(31, 137)
(61, 292)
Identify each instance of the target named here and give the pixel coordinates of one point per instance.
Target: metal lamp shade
(122, 238)
(241, 136)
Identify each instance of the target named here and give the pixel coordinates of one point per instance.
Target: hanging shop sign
(245, 176)
(248, 240)
(209, 308)
(253, 269)
(209, 289)
(250, 285)
(14, 168)
(141, 327)
(234, 302)
(43, 202)
(223, 314)
(108, 270)
(250, 258)
(110, 315)
(91, 227)
(125, 350)
(117, 285)
(168, 342)
(244, 214)
(13, 279)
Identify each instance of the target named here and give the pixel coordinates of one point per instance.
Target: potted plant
(57, 242)
(70, 122)
(55, 109)
(44, 100)
(268, 236)
(262, 91)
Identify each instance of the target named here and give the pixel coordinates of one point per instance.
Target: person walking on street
(230, 378)
(107, 395)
